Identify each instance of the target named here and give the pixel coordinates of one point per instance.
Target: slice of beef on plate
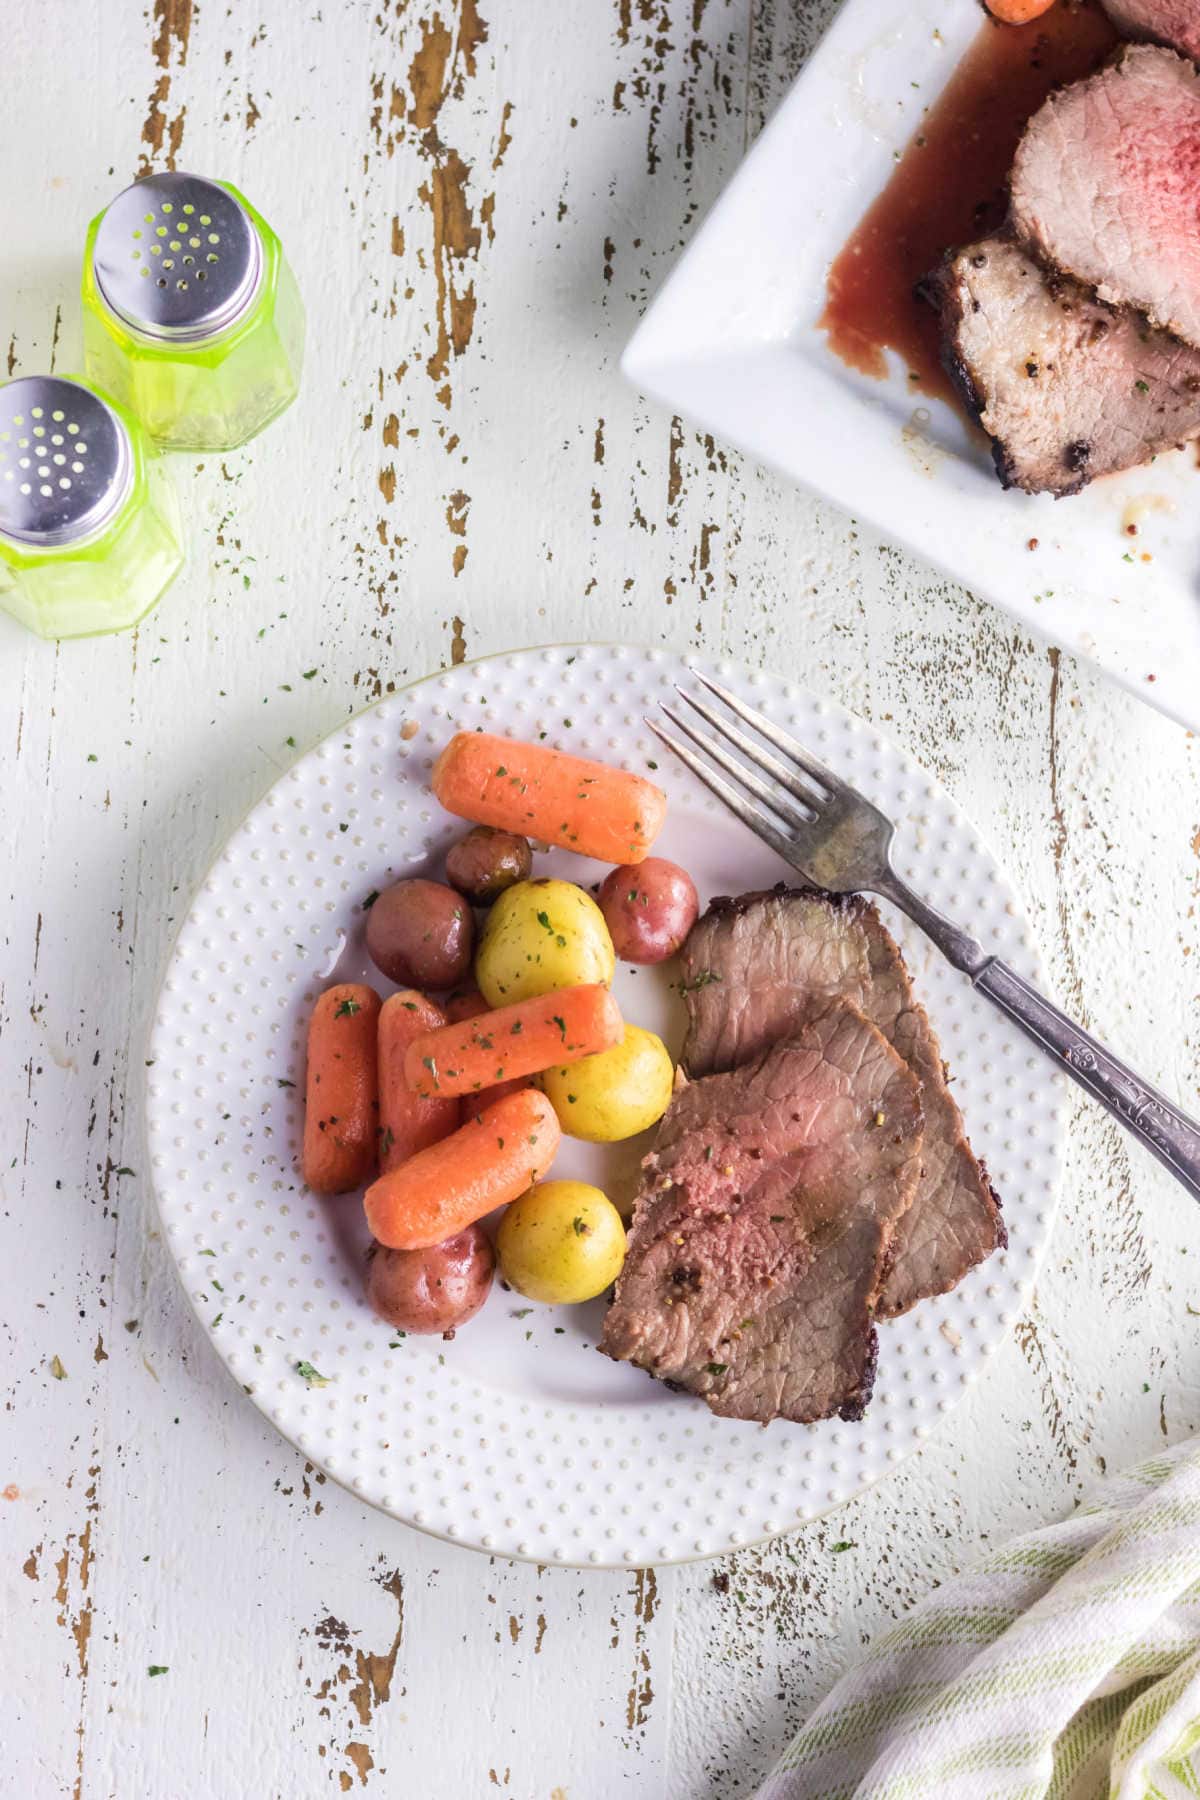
(1066, 388)
(755, 966)
(1104, 185)
(761, 1225)
(1172, 22)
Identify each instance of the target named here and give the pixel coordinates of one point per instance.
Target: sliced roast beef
(755, 966)
(1173, 22)
(1066, 388)
(761, 1225)
(955, 1220)
(1105, 181)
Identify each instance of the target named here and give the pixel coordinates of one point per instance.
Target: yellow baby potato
(561, 1242)
(542, 935)
(615, 1093)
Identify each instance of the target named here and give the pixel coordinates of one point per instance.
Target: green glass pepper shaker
(191, 315)
(90, 533)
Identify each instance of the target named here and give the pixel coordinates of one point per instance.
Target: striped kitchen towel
(1065, 1667)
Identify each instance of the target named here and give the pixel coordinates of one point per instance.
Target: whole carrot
(407, 1121)
(470, 1004)
(523, 1039)
(487, 1162)
(341, 1101)
(539, 792)
(1018, 12)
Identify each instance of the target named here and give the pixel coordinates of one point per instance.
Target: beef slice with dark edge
(1104, 186)
(761, 1225)
(1173, 22)
(1066, 388)
(755, 967)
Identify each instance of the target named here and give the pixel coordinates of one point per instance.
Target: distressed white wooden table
(478, 198)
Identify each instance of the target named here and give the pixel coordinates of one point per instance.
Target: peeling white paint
(212, 1551)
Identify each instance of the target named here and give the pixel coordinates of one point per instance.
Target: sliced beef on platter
(1105, 182)
(1172, 22)
(1066, 388)
(755, 966)
(761, 1226)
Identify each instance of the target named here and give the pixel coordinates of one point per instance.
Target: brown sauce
(950, 186)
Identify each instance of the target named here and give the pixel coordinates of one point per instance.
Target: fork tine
(812, 765)
(725, 791)
(745, 777)
(806, 793)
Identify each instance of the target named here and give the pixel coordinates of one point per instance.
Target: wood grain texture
(478, 200)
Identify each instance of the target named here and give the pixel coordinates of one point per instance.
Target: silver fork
(840, 842)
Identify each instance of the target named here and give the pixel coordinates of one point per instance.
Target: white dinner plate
(732, 343)
(518, 1437)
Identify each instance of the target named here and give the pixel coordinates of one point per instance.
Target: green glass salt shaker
(90, 532)
(191, 315)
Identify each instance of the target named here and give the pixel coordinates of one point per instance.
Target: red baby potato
(432, 1290)
(649, 908)
(421, 934)
(485, 862)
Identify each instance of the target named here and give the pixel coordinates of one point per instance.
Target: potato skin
(486, 861)
(541, 935)
(434, 1290)
(421, 934)
(561, 1243)
(649, 908)
(616, 1093)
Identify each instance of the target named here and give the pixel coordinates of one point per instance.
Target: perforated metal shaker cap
(66, 463)
(177, 257)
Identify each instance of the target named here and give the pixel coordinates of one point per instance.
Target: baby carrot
(407, 1121)
(487, 1162)
(543, 793)
(1018, 12)
(523, 1039)
(341, 1104)
(470, 1004)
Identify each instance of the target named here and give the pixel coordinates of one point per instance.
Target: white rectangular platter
(732, 343)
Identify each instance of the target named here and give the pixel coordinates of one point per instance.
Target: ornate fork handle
(1166, 1131)
(840, 840)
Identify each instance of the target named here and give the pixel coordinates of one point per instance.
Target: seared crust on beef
(1066, 388)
